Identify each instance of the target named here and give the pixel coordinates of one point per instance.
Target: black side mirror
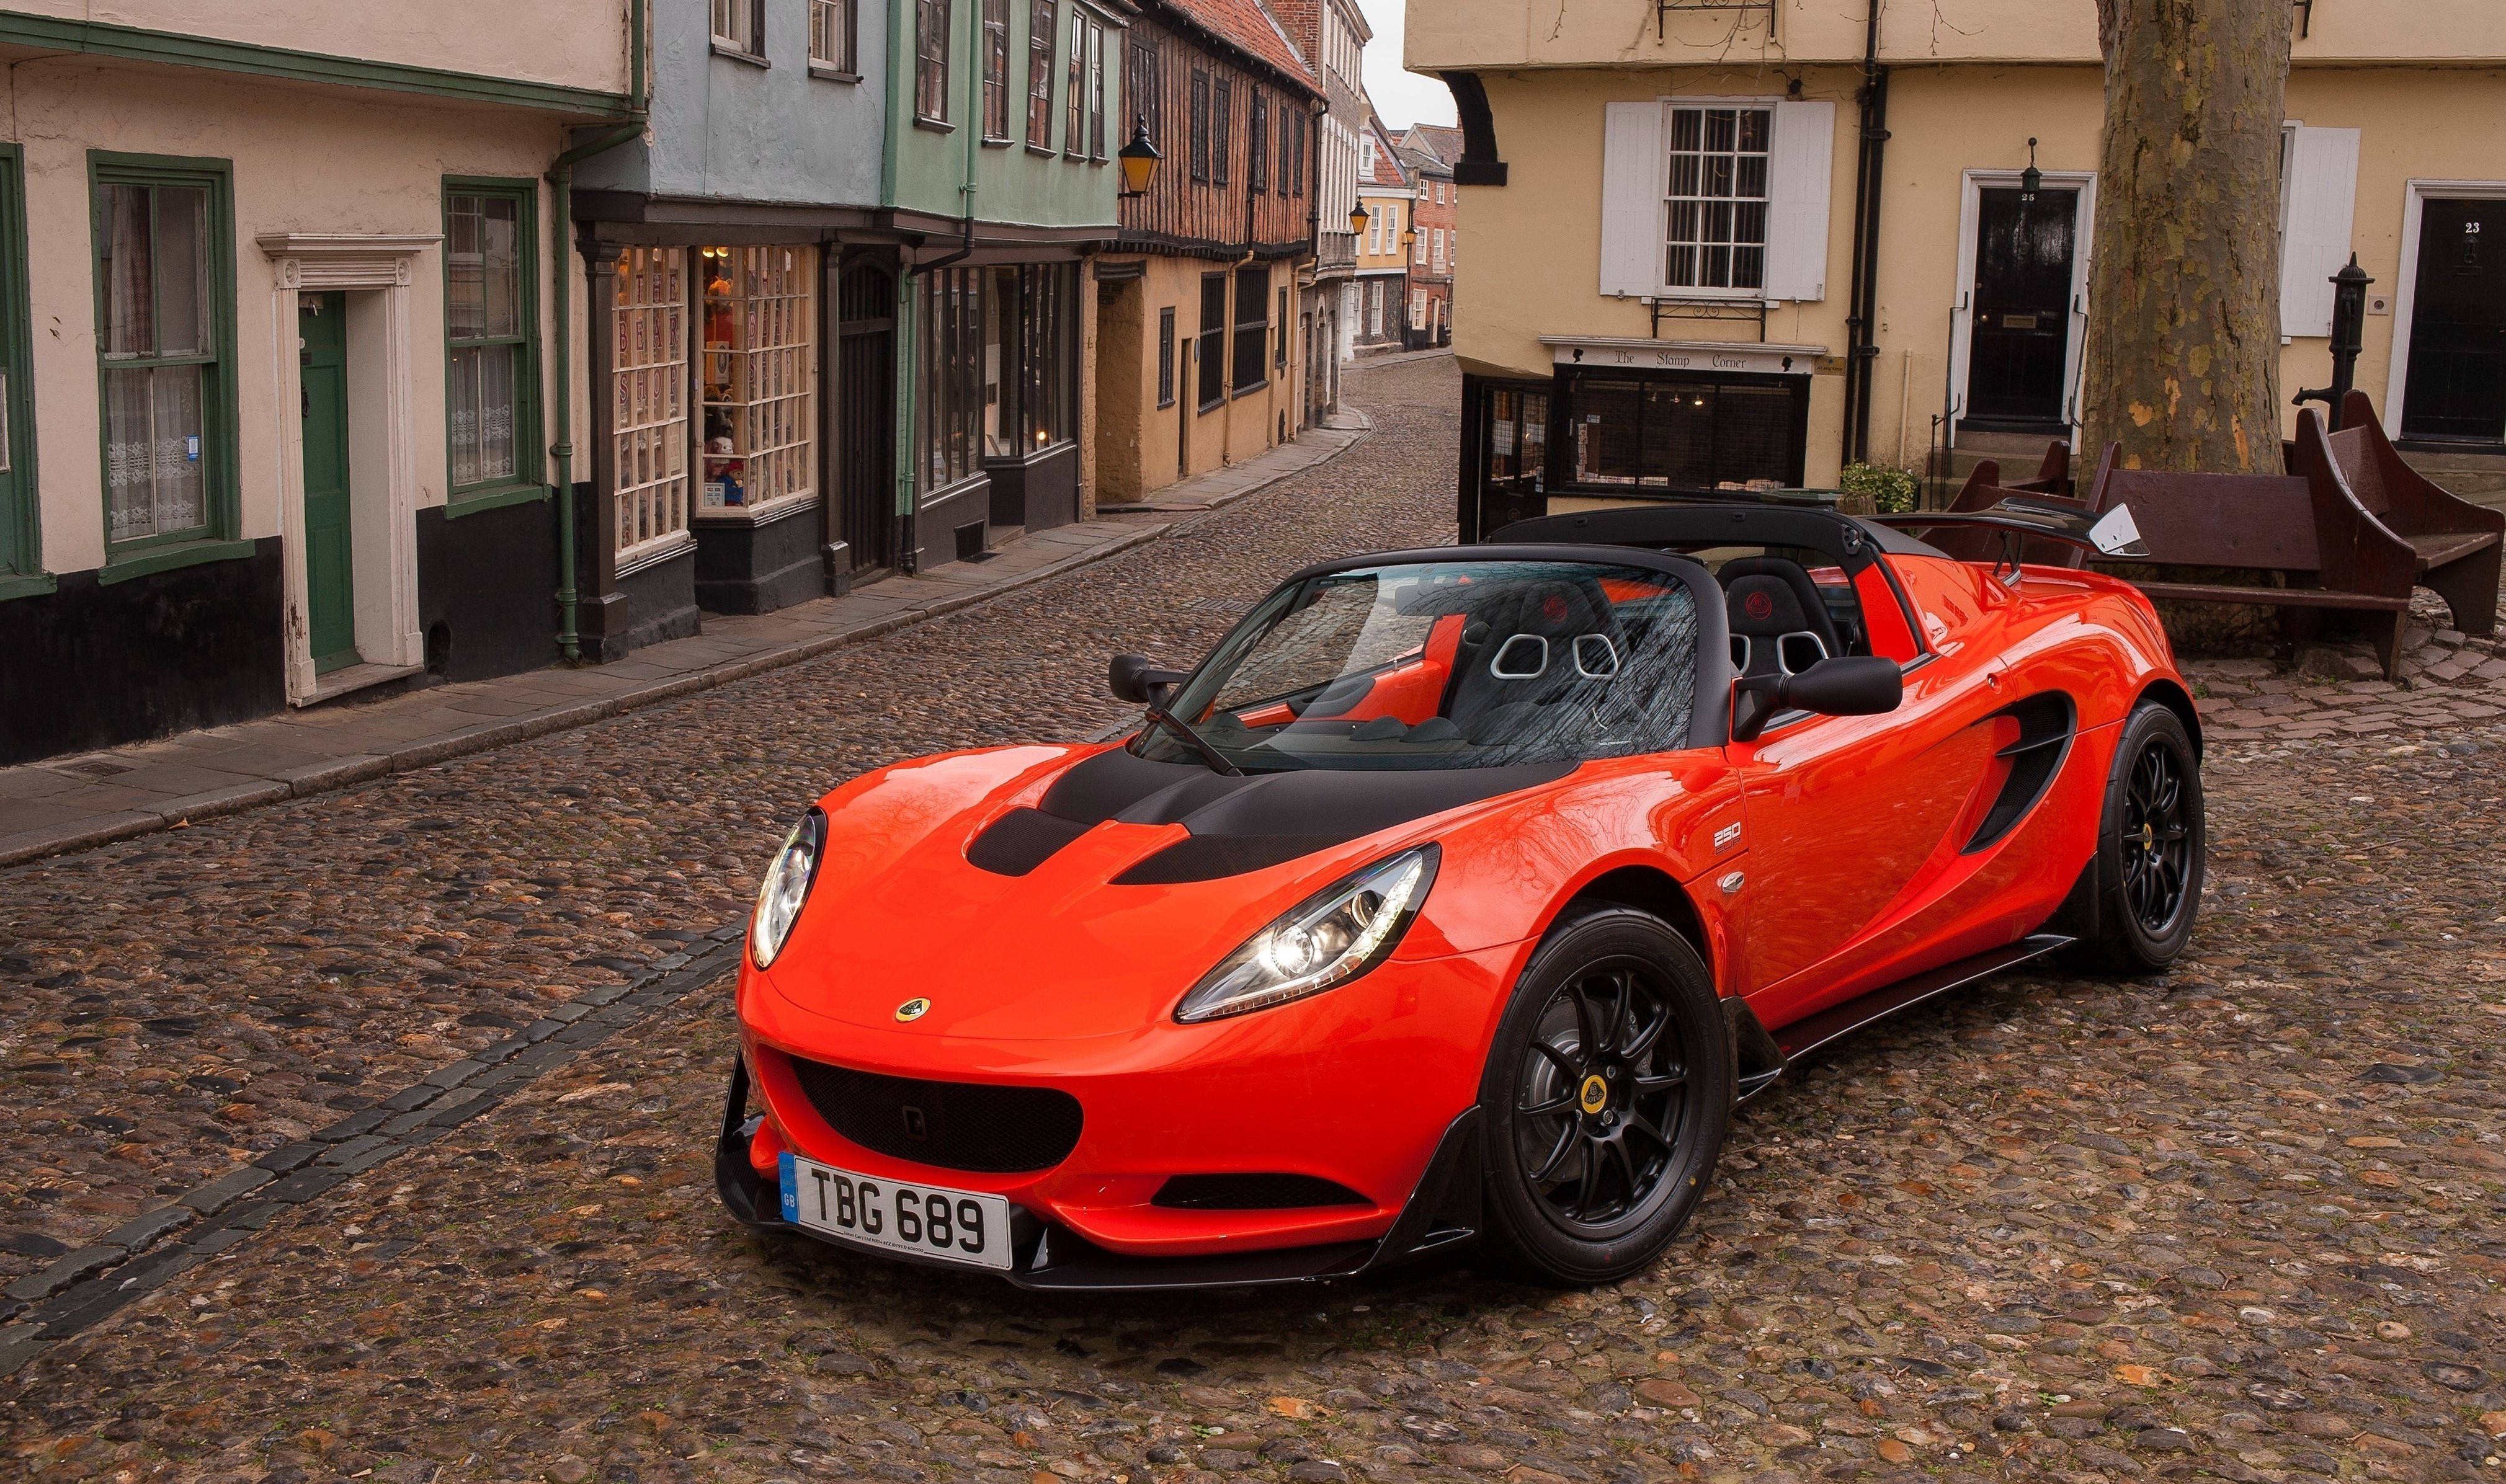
(1847, 686)
(1137, 678)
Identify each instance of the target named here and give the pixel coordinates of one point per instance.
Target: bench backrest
(2259, 522)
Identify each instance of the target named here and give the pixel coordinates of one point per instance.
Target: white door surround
(2415, 196)
(1971, 189)
(375, 269)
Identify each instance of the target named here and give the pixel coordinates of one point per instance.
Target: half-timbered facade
(1200, 359)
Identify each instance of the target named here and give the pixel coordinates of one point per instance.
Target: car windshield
(1456, 664)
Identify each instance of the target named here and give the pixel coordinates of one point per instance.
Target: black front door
(2457, 387)
(2021, 311)
(865, 381)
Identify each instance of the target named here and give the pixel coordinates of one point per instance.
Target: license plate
(914, 1221)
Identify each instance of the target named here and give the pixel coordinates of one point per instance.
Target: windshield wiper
(1208, 753)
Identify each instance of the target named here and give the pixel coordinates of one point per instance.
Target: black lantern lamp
(1357, 220)
(1409, 238)
(2032, 179)
(1140, 160)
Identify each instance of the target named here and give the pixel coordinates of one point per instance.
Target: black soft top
(1853, 543)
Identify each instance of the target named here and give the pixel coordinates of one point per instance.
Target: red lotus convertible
(1457, 896)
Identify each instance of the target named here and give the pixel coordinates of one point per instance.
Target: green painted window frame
(530, 453)
(22, 545)
(216, 540)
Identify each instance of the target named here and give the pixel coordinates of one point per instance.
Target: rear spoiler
(2018, 518)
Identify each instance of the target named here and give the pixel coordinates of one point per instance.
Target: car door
(1843, 814)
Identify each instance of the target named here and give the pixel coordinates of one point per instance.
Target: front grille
(1253, 1192)
(955, 1125)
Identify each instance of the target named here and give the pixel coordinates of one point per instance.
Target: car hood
(1107, 885)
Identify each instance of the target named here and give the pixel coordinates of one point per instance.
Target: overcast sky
(1403, 99)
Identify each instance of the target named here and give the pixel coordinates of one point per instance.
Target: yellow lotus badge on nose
(913, 1009)
(1595, 1094)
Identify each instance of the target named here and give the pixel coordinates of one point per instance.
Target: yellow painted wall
(1529, 259)
(1487, 34)
(303, 162)
(1137, 441)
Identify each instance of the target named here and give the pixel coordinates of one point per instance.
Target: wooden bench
(1984, 490)
(2456, 545)
(2308, 530)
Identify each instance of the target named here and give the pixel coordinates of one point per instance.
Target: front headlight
(786, 887)
(1328, 939)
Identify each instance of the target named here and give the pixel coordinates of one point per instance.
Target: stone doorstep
(86, 1286)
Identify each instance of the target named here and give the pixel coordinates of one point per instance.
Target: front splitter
(1441, 1214)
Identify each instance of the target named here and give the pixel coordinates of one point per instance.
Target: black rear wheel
(1609, 1091)
(2150, 845)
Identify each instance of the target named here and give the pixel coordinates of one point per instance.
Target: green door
(322, 323)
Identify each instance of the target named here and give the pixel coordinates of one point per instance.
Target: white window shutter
(1633, 182)
(1800, 167)
(2322, 187)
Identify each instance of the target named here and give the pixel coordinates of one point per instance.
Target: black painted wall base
(486, 590)
(95, 664)
(936, 522)
(1038, 492)
(652, 603)
(757, 569)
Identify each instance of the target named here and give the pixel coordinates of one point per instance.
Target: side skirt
(1814, 1033)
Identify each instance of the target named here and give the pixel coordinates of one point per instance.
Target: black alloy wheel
(2151, 839)
(1611, 1084)
(2157, 841)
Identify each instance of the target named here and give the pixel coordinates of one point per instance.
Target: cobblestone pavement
(2247, 1220)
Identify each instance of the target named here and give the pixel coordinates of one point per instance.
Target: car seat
(1779, 624)
(1534, 644)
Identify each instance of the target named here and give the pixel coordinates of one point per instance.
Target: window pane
(129, 274)
(500, 250)
(999, 348)
(183, 271)
(482, 398)
(154, 446)
(1605, 433)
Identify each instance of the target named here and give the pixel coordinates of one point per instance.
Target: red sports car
(1458, 895)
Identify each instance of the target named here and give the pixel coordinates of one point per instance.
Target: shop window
(1252, 327)
(760, 376)
(1048, 327)
(948, 410)
(1043, 26)
(834, 32)
(1718, 198)
(1211, 352)
(1167, 357)
(491, 372)
(996, 71)
(1687, 435)
(165, 311)
(649, 360)
(1518, 438)
(931, 60)
(21, 553)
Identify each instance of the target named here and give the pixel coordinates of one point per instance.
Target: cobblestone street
(2247, 1220)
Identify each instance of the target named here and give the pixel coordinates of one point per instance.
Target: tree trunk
(2183, 335)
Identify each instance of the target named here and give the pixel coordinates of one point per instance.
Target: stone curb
(84, 1286)
(343, 772)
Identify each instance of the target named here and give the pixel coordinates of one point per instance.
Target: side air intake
(2047, 724)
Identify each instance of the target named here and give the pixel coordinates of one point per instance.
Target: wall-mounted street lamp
(1357, 220)
(1140, 160)
(2032, 179)
(1409, 238)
